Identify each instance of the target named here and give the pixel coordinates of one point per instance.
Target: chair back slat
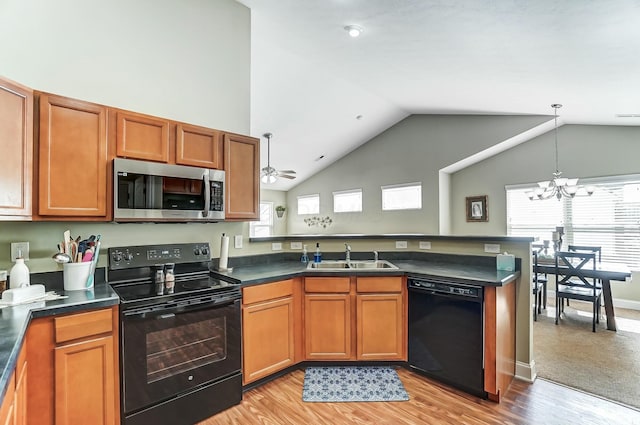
(587, 248)
(571, 264)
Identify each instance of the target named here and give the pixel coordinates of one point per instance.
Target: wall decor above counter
(68, 146)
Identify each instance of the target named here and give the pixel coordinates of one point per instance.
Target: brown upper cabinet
(142, 137)
(16, 145)
(198, 146)
(242, 169)
(72, 160)
(151, 138)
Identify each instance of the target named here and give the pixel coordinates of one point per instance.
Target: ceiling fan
(270, 174)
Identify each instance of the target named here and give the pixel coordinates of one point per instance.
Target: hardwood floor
(279, 402)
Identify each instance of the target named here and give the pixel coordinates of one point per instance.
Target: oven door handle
(179, 307)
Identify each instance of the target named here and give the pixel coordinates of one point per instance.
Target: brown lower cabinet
(349, 318)
(270, 328)
(73, 369)
(14, 405)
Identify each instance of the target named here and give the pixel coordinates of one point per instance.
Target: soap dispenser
(19, 275)
(317, 257)
(305, 257)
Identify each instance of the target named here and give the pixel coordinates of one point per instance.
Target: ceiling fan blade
(287, 171)
(286, 176)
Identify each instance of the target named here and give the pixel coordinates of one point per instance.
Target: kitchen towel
(224, 253)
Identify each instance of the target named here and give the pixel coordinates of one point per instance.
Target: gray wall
(413, 150)
(583, 151)
(186, 60)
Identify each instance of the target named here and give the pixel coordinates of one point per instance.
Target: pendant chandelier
(559, 186)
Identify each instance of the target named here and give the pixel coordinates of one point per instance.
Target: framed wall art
(477, 208)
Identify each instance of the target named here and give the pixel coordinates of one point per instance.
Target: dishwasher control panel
(445, 288)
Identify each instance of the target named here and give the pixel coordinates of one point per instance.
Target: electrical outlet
(492, 247)
(401, 244)
(425, 245)
(276, 246)
(19, 248)
(237, 241)
(296, 245)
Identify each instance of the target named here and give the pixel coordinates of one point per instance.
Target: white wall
(187, 60)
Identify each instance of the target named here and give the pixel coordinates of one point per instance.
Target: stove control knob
(205, 251)
(196, 251)
(117, 256)
(128, 256)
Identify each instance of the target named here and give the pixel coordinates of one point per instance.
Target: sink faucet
(375, 256)
(347, 252)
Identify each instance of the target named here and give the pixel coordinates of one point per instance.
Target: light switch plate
(401, 244)
(492, 247)
(237, 241)
(296, 245)
(276, 246)
(19, 247)
(425, 245)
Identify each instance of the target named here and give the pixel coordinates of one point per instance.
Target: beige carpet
(604, 363)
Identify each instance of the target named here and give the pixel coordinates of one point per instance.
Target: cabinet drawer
(324, 284)
(379, 284)
(268, 291)
(82, 325)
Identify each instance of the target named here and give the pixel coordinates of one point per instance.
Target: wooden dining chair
(572, 284)
(587, 248)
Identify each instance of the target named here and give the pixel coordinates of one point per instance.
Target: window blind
(610, 218)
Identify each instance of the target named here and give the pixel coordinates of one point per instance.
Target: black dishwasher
(446, 339)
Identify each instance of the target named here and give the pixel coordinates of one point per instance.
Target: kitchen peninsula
(280, 284)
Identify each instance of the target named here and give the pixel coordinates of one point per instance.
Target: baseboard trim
(617, 302)
(526, 371)
(628, 304)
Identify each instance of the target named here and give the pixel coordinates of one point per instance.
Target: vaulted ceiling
(322, 93)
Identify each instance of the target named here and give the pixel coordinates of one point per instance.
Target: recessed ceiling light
(354, 30)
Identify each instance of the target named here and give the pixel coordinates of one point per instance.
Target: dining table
(605, 271)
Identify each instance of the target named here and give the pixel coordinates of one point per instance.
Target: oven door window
(166, 353)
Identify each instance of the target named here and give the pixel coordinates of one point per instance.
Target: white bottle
(19, 275)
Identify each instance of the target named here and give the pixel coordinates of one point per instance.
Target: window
(264, 227)
(609, 218)
(309, 204)
(406, 196)
(347, 201)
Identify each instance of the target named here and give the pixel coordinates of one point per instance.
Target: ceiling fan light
(268, 179)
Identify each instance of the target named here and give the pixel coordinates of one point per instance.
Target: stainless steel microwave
(150, 191)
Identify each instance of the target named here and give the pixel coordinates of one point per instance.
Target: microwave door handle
(207, 195)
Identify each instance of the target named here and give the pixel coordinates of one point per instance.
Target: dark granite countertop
(15, 320)
(408, 236)
(475, 270)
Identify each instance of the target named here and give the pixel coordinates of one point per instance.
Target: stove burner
(197, 284)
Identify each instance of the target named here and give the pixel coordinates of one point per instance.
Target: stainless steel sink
(333, 265)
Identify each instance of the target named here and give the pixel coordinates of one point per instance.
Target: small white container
(19, 275)
(76, 275)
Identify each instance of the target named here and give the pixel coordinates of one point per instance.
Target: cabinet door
(72, 163)
(327, 325)
(87, 397)
(142, 137)
(379, 326)
(7, 409)
(20, 401)
(198, 146)
(268, 341)
(241, 165)
(16, 145)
